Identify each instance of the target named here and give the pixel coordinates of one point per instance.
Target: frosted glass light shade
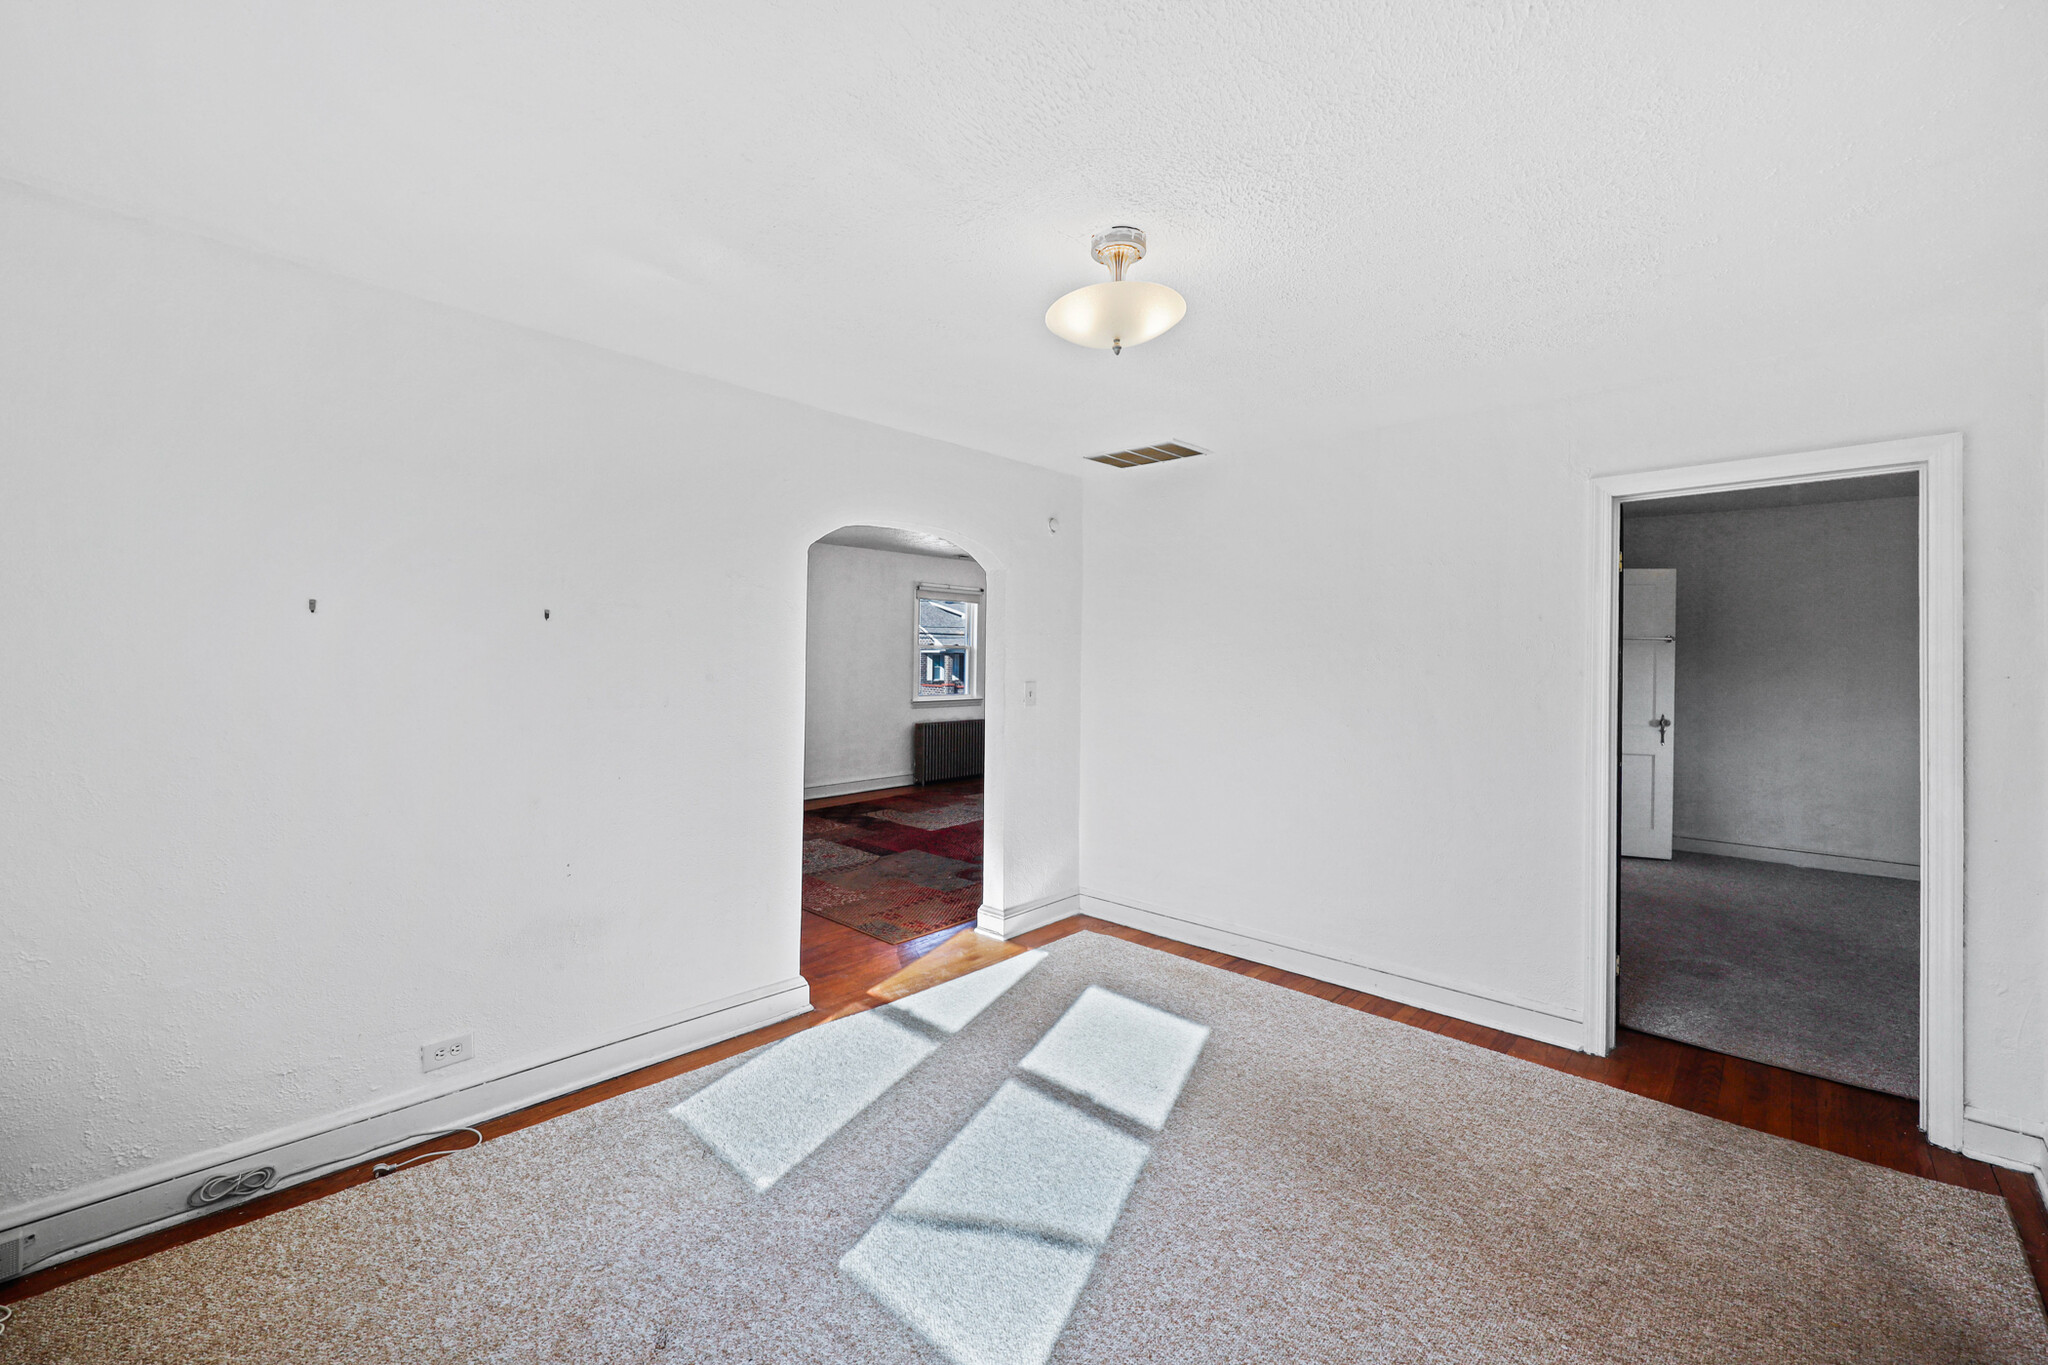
(1115, 312)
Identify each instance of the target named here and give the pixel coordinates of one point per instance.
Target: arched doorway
(895, 696)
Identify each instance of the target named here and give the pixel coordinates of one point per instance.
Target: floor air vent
(1137, 455)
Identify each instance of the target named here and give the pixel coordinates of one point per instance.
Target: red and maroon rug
(897, 868)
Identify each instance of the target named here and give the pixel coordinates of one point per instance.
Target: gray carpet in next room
(1813, 971)
(1099, 1154)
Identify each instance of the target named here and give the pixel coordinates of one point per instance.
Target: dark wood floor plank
(1953, 1168)
(1370, 1004)
(1753, 1098)
(1702, 1095)
(1492, 1039)
(1649, 1066)
(1984, 1178)
(1802, 1123)
(1672, 1070)
(2029, 1219)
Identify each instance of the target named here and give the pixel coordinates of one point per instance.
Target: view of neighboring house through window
(948, 647)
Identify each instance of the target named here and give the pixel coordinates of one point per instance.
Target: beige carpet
(1798, 967)
(1326, 1186)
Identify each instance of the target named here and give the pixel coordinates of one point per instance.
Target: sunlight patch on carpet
(769, 1114)
(952, 1006)
(1031, 1166)
(987, 1252)
(1129, 1058)
(981, 1297)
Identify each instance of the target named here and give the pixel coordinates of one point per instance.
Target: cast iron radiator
(941, 749)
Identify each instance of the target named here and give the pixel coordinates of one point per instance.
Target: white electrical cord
(381, 1169)
(384, 1168)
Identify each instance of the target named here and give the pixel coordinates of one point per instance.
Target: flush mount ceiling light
(1118, 312)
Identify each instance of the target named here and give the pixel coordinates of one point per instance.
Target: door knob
(1663, 724)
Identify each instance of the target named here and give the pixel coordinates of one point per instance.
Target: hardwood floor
(849, 972)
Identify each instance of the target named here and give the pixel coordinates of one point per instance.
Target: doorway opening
(1768, 880)
(1779, 841)
(896, 639)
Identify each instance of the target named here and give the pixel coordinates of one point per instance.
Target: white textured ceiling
(1376, 211)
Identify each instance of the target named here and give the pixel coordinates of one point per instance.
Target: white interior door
(1649, 648)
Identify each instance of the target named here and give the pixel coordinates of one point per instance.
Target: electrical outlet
(447, 1052)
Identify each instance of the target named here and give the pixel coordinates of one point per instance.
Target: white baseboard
(859, 784)
(2006, 1141)
(1545, 1023)
(64, 1226)
(1021, 919)
(1797, 857)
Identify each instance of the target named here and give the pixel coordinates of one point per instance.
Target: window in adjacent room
(948, 645)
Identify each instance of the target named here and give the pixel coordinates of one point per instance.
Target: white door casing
(1649, 734)
(1937, 459)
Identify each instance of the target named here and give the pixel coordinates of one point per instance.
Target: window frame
(977, 633)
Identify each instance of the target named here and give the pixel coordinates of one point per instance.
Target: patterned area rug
(898, 868)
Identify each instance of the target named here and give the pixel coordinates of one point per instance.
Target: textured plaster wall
(255, 855)
(858, 663)
(1418, 798)
(1798, 677)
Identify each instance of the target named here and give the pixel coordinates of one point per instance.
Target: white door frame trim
(1938, 461)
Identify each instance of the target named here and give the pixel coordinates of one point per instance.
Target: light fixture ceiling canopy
(1118, 312)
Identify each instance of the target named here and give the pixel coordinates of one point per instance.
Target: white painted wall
(1798, 680)
(860, 662)
(1417, 801)
(254, 856)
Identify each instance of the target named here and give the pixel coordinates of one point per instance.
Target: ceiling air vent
(1137, 455)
